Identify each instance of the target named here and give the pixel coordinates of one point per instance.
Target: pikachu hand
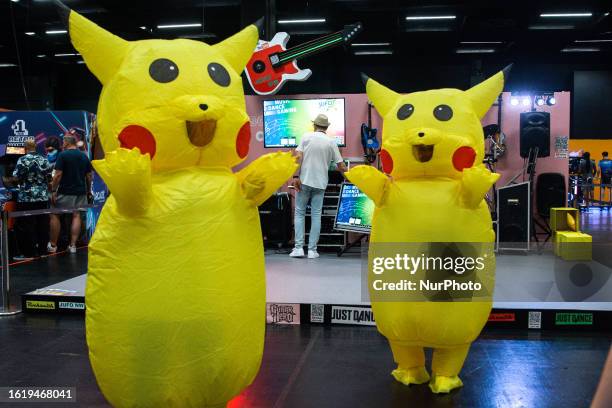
(370, 181)
(265, 175)
(475, 183)
(127, 173)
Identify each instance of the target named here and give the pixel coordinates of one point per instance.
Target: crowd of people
(61, 179)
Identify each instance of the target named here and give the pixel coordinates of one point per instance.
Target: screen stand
(351, 244)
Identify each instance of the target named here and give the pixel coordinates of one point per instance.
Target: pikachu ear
(485, 93)
(102, 51)
(382, 97)
(238, 49)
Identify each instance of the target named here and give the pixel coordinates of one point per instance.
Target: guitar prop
(272, 64)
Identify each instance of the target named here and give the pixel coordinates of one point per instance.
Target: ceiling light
(143, 27)
(15, 1)
(186, 25)
(431, 17)
(475, 51)
(551, 101)
(481, 42)
(67, 54)
(303, 21)
(562, 15)
(30, 33)
(539, 101)
(526, 101)
(41, 56)
(580, 49)
(381, 52)
(370, 44)
(551, 27)
(514, 101)
(51, 32)
(7, 65)
(592, 41)
(80, 62)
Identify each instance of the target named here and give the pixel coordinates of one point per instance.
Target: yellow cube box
(562, 218)
(574, 246)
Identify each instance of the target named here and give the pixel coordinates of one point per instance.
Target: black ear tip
(364, 78)
(64, 12)
(506, 71)
(260, 25)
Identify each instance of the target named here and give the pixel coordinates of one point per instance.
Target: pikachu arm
(265, 175)
(370, 181)
(127, 173)
(475, 183)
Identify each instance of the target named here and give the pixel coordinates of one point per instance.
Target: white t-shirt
(319, 150)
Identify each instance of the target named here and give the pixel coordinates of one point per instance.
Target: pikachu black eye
(405, 111)
(163, 70)
(219, 74)
(443, 112)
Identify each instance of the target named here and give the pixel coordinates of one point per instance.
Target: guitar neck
(308, 48)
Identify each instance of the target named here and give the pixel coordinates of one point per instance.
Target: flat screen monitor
(355, 210)
(286, 120)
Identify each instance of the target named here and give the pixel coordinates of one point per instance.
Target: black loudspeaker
(550, 192)
(514, 218)
(535, 132)
(275, 218)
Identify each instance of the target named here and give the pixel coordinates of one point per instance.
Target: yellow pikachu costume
(176, 285)
(433, 147)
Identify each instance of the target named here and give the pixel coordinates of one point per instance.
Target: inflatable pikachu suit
(433, 148)
(176, 286)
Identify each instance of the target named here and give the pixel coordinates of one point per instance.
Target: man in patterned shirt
(33, 173)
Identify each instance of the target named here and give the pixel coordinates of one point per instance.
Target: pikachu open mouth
(422, 153)
(201, 133)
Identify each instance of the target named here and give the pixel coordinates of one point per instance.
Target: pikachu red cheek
(137, 136)
(387, 161)
(243, 140)
(464, 158)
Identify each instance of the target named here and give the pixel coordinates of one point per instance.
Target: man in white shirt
(315, 153)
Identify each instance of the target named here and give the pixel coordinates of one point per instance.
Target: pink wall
(511, 163)
(356, 113)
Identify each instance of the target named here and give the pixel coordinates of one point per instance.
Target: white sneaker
(312, 254)
(51, 249)
(72, 249)
(297, 253)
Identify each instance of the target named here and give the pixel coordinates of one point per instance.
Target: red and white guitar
(272, 64)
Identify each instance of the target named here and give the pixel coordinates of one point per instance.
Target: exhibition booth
(534, 287)
(155, 234)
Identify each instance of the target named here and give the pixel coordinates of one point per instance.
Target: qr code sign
(316, 313)
(535, 320)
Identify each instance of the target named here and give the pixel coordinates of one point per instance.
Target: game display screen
(286, 120)
(355, 210)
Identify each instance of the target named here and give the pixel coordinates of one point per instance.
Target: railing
(5, 306)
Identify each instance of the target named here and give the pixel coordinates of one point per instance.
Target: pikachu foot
(443, 385)
(416, 375)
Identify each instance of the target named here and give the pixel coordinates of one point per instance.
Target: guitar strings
(300, 49)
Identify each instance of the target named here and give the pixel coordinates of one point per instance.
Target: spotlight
(539, 101)
(526, 101)
(514, 101)
(551, 101)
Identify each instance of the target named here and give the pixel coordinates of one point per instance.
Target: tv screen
(286, 120)
(355, 210)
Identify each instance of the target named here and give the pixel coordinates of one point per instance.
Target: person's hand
(297, 184)
(53, 198)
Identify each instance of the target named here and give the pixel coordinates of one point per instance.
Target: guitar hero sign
(272, 64)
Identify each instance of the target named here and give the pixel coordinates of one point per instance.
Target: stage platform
(524, 283)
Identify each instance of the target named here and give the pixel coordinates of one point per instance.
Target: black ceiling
(511, 22)
(414, 44)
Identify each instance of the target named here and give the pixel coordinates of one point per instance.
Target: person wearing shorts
(71, 187)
